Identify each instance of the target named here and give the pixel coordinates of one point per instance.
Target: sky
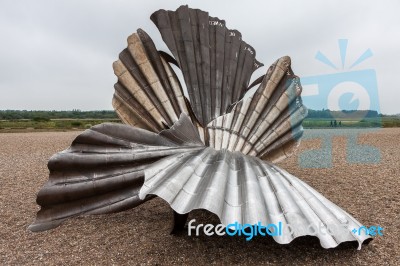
(58, 55)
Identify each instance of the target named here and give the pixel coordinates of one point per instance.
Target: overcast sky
(57, 55)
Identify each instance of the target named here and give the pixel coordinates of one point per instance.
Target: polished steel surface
(247, 190)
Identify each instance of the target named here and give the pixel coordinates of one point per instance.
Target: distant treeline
(107, 114)
(47, 115)
(326, 113)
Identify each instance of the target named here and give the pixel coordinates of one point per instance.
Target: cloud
(59, 54)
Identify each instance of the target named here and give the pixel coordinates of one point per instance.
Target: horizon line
(111, 110)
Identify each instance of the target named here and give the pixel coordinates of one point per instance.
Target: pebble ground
(370, 191)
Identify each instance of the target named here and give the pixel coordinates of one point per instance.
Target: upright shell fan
(212, 151)
(216, 63)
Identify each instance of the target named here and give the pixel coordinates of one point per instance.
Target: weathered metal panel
(215, 62)
(266, 121)
(103, 170)
(147, 93)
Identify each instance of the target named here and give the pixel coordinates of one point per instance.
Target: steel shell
(148, 94)
(246, 190)
(212, 151)
(103, 170)
(216, 63)
(268, 124)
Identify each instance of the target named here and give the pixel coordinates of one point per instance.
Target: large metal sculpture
(213, 151)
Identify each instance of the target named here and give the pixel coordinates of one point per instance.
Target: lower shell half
(246, 190)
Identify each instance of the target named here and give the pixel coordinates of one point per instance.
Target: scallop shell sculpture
(214, 150)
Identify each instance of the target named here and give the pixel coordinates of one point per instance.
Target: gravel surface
(369, 191)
